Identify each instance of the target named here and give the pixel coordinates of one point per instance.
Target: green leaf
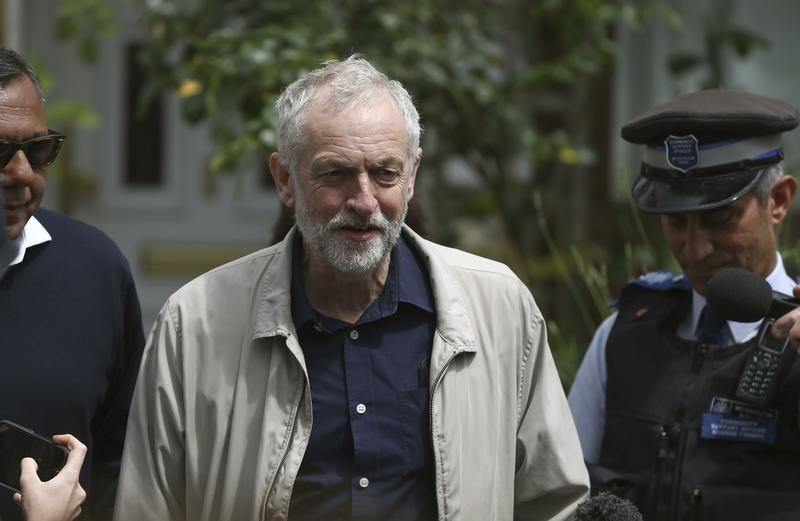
(87, 50)
(682, 62)
(744, 41)
(66, 27)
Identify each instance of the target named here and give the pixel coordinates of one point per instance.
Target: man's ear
(412, 178)
(782, 194)
(282, 182)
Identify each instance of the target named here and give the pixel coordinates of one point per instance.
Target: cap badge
(683, 152)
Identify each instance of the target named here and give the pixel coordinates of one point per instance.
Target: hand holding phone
(60, 498)
(17, 442)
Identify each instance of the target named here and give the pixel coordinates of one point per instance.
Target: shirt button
(361, 408)
(363, 482)
(354, 334)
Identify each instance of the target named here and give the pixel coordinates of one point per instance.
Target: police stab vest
(663, 447)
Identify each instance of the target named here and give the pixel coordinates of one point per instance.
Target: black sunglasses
(40, 151)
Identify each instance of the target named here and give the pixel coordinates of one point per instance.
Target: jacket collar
(274, 311)
(453, 321)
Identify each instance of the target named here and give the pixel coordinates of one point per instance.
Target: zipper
(436, 381)
(662, 472)
(661, 468)
(663, 444)
(699, 353)
(680, 432)
(436, 457)
(696, 505)
(284, 452)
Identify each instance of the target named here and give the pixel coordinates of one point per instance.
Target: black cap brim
(693, 194)
(712, 115)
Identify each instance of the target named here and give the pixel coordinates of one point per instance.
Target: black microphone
(607, 507)
(742, 296)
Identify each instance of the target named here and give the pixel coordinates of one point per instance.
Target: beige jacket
(221, 414)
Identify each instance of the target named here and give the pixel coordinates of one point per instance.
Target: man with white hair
(354, 370)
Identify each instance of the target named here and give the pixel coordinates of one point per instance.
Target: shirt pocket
(416, 438)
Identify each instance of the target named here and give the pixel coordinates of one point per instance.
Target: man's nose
(699, 242)
(361, 198)
(17, 171)
(16, 178)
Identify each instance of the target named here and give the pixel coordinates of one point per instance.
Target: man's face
(21, 118)
(352, 185)
(741, 234)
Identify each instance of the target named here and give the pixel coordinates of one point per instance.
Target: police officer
(655, 398)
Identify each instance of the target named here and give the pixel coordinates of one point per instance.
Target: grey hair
(769, 179)
(12, 66)
(351, 83)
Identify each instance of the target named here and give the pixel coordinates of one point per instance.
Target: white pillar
(12, 23)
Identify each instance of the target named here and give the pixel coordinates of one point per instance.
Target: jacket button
(354, 334)
(363, 482)
(361, 408)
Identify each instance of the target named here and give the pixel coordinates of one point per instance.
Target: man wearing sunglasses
(70, 325)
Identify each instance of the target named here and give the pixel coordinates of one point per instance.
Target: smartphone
(17, 442)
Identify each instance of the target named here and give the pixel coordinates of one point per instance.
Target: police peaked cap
(706, 149)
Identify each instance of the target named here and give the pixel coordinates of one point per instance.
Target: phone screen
(16, 443)
(771, 343)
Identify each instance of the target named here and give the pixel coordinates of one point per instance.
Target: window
(144, 126)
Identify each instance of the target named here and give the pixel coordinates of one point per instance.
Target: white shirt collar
(34, 233)
(738, 332)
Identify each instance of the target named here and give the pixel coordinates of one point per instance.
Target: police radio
(767, 364)
(741, 295)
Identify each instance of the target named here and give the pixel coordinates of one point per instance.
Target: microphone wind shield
(607, 507)
(739, 295)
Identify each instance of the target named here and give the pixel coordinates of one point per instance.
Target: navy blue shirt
(369, 456)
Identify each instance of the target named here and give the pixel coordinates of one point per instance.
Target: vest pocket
(622, 484)
(743, 504)
(642, 454)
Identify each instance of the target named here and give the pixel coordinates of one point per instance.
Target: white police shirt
(587, 396)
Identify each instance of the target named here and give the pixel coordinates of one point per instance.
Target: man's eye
(719, 218)
(676, 222)
(388, 175)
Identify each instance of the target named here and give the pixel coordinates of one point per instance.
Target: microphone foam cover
(607, 507)
(739, 295)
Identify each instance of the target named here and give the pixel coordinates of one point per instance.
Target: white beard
(345, 255)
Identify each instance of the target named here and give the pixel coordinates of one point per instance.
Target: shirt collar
(302, 311)
(740, 332)
(33, 234)
(416, 286)
(404, 266)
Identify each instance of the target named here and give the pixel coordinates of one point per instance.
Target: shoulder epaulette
(662, 281)
(659, 281)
